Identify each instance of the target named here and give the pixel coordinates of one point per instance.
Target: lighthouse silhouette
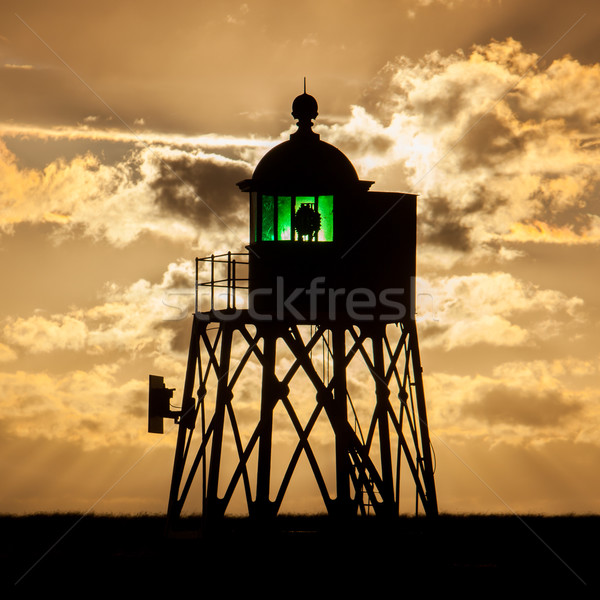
(304, 375)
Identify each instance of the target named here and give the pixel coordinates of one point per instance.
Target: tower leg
(262, 502)
(382, 408)
(186, 424)
(430, 503)
(214, 507)
(338, 415)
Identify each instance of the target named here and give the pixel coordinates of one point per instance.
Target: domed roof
(304, 162)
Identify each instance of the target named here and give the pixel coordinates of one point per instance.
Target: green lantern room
(292, 218)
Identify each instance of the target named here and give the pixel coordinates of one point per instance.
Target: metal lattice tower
(318, 376)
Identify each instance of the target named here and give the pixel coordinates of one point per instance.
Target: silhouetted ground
(301, 557)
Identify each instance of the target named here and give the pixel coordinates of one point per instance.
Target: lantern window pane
(325, 205)
(284, 218)
(305, 219)
(268, 219)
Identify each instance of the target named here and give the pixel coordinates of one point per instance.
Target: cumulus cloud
(513, 405)
(105, 403)
(132, 319)
(526, 402)
(46, 334)
(201, 191)
(485, 308)
(492, 141)
(168, 192)
(501, 149)
(539, 232)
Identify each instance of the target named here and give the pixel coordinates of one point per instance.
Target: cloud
(520, 403)
(131, 319)
(18, 66)
(7, 354)
(101, 400)
(240, 18)
(201, 191)
(80, 406)
(539, 232)
(547, 373)
(466, 131)
(487, 139)
(488, 308)
(168, 192)
(492, 140)
(513, 405)
(46, 334)
(239, 145)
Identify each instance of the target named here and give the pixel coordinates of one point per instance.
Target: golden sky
(124, 127)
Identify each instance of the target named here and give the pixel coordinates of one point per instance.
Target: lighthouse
(324, 344)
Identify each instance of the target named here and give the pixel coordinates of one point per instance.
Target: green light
(277, 213)
(284, 218)
(268, 218)
(326, 211)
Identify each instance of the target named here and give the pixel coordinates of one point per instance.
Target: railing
(224, 274)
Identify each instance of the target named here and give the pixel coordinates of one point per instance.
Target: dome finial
(305, 109)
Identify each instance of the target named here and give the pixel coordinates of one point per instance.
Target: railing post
(233, 282)
(212, 282)
(228, 279)
(196, 287)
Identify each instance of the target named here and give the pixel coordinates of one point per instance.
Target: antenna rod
(305, 85)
